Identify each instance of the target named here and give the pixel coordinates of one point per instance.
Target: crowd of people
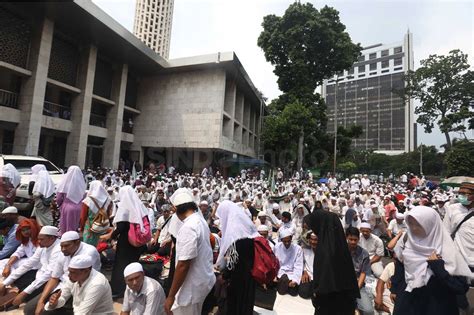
(193, 243)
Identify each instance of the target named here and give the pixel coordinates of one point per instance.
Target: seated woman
(429, 272)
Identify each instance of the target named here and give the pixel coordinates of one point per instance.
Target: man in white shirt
(44, 259)
(194, 274)
(396, 225)
(374, 245)
(290, 257)
(71, 246)
(262, 219)
(89, 290)
(286, 225)
(365, 182)
(306, 286)
(143, 295)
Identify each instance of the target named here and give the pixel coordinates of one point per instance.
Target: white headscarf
(73, 184)
(415, 252)
(35, 169)
(9, 171)
(130, 208)
(100, 195)
(44, 184)
(235, 225)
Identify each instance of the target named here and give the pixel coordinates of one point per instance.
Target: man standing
(194, 274)
(374, 245)
(143, 295)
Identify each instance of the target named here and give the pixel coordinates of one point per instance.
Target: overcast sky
(209, 26)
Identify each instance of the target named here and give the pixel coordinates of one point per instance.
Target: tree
(445, 88)
(305, 46)
(460, 159)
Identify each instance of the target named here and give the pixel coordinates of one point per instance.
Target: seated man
(374, 245)
(89, 290)
(10, 243)
(306, 287)
(383, 303)
(11, 214)
(290, 257)
(262, 219)
(287, 224)
(26, 278)
(143, 295)
(396, 225)
(264, 231)
(361, 262)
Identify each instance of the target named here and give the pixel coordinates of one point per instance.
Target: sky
(210, 26)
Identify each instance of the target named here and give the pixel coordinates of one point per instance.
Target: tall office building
(153, 20)
(366, 96)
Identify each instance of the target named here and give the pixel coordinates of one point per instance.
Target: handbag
(136, 236)
(101, 222)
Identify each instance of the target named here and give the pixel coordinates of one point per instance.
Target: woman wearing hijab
(297, 220)
(130, 210)
(96, 198)
(35, 169)
(27, 234)
(429, 271)
(43, 195)
(236, 256)
(70, 192)
(335, 284)
(9, 182)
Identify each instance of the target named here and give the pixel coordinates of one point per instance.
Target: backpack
(138, 238)
(265, 264)
(101, 222)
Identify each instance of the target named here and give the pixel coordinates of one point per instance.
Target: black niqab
(333, 268)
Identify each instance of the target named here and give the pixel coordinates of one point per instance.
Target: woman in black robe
(236, 258)
(335, 284)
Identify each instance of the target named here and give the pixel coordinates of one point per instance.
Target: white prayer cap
(276, 206)
(80, 262)
(365, 225)
(70, 236)
(203, 202)
(195, 189)
(285, 233)
(263, 228)
(10, 209)
(217, 223)
(132, 268)
(49, 230)
(400, 216)
(261, 214)
(181, 196)
(301, 199)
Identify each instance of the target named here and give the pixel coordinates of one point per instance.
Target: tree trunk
(300, 151)
(448, 140)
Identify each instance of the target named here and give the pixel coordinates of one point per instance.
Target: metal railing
(56, 110)
(98, 120)
(8, 99)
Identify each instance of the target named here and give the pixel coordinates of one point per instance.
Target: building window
(373, 56)
(384, 53)
(385, 71)
(373, 66)
(361, 75)
(397, 50)
(361, 58)
(385, 64)
(397, 62)
(361, 69)
(398, 68)
(350, 71)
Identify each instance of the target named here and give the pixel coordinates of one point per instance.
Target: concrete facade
(122, 101)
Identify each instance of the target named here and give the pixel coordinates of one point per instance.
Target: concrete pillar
(31, 101)
(81, 109)
(115, 119)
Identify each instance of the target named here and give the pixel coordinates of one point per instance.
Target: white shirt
(44, 259)
(463, 240)
(291, 261)
(93, 297)
(308, 257)
(150, 299)
(25, 250)
(373, 245)
(61, 269)
(193, 243)
(395, 227)
(164, 232)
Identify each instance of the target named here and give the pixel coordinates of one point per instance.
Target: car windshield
(24, 166)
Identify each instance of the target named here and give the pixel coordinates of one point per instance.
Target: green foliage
(460, 159)
(445, 88)
(347, 167)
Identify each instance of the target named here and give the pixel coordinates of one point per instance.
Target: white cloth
(80, 262)
(23, 252)
(308, 258)
(395, 227)
(9, 171)
(44, 184)
(130, 208)
(35, 169)
(61, 269)
(235, 225)
(373, 245)
(93, 297)
(132, 268)
(463, 240)
(414, 253)
(99, 194)
(175, 225)
(150, 299)
(192, 243)
(73, 184)
(69, 236)
(291, 261)
(44, 259)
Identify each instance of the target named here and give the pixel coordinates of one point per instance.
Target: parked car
(23, 164)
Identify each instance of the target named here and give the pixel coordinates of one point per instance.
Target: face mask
(463, 200)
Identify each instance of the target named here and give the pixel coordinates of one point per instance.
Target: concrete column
(31, 101)
(81, 109)
(115, 119)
